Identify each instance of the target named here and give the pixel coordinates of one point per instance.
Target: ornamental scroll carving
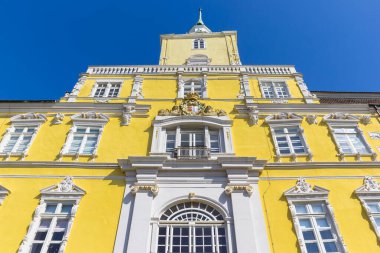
(231, 188)
(152, 188)
(302, 186)
(190, 106)
(371, 185)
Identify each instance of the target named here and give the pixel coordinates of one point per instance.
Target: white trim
(109, 83)
(345, 120)
(367, 193)
(303, 193)
(66, 192)
(3, 193)
(84, 120)
(286, 120)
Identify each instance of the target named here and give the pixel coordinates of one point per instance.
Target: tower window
(199, 44)
(192, 86)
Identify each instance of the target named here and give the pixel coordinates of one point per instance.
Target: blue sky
(45, 44)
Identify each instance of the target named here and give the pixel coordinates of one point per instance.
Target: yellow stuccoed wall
(350, 216)
(94, 229)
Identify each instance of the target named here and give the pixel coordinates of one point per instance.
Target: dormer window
(106, 90)
(199, 44)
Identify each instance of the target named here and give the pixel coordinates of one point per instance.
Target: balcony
(191, 152)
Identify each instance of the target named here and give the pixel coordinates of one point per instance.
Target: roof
(346, 97)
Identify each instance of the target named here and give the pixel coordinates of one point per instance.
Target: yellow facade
(98, 217)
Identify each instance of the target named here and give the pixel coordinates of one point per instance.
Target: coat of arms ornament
(190, 106)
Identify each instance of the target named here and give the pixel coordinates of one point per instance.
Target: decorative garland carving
(58, 119)
(302, 186)
(190, 106)
(231, 188)
(370, 184)
(311, 119)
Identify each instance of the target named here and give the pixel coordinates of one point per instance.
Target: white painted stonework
(227, 184)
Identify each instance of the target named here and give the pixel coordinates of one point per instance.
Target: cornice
(323, 165)
(48, 164)
(197, 35)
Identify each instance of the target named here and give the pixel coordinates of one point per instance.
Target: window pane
(50, 208)
(330, 247)
(66, 208)
(322, 222)
(377, 220)
(317, 208)
(57, 236)
(374, 207)
(54, 248)
(308, 235)
(312, 248)
(24, 143)
(75, 144)
(36, 248)
(300, 208)
(89, 147)
(10, 144)
(326, 234)
(305, 223)
(40, 236)
(45, 223)
(62, 223)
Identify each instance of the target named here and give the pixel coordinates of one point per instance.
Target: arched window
(199, 44)
(192, 227)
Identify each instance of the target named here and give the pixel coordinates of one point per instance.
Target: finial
(200, 21)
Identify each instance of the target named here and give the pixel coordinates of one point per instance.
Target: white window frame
(207, 123)
(4, 192)
(369, 192)
(303, 193)
(288, 120)
(66, 192)
(182, 82)
(197, 43)
(84, 120)
(272, 85)
(343, 120)
(108, 88)
(157, 223)
(30, 120)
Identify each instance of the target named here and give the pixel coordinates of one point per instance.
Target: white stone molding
(64, 192)
(198, 60)
(369, 192)
(137, 89)
(182, 82)
(3, 193)
(253, 115)
(232, 188)
(85, 119)
(181, 87)
(151, 188)
(30, 120)
(339, 119)
(308, 96)
(303, 193)
(365, 119)
(311, 119)
(374, 135)
(244, 87)
(285, 120)
(219, 123)
(167, 69)
(58, 119)
(127, 114)
(71, 97)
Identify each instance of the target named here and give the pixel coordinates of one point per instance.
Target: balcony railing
(191, 152)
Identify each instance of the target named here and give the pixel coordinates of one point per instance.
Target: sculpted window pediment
(340, 117)
(29, 118)
(283, 118)
(90, 117)
(198, 59)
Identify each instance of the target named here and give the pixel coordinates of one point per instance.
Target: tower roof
(200, 27)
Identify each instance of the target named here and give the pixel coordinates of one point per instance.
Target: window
(369, 195)
(193, 86)
(84, 136)
(84, 140)
(289, 140)
(53, 218)
(193, 143)
(287, 135)
(192, 227)
(314, 224)
(52, 228)
(18, 138)
(106, 89)
(274, 89)
(199, 44)
(347, 136)
(350, 141)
